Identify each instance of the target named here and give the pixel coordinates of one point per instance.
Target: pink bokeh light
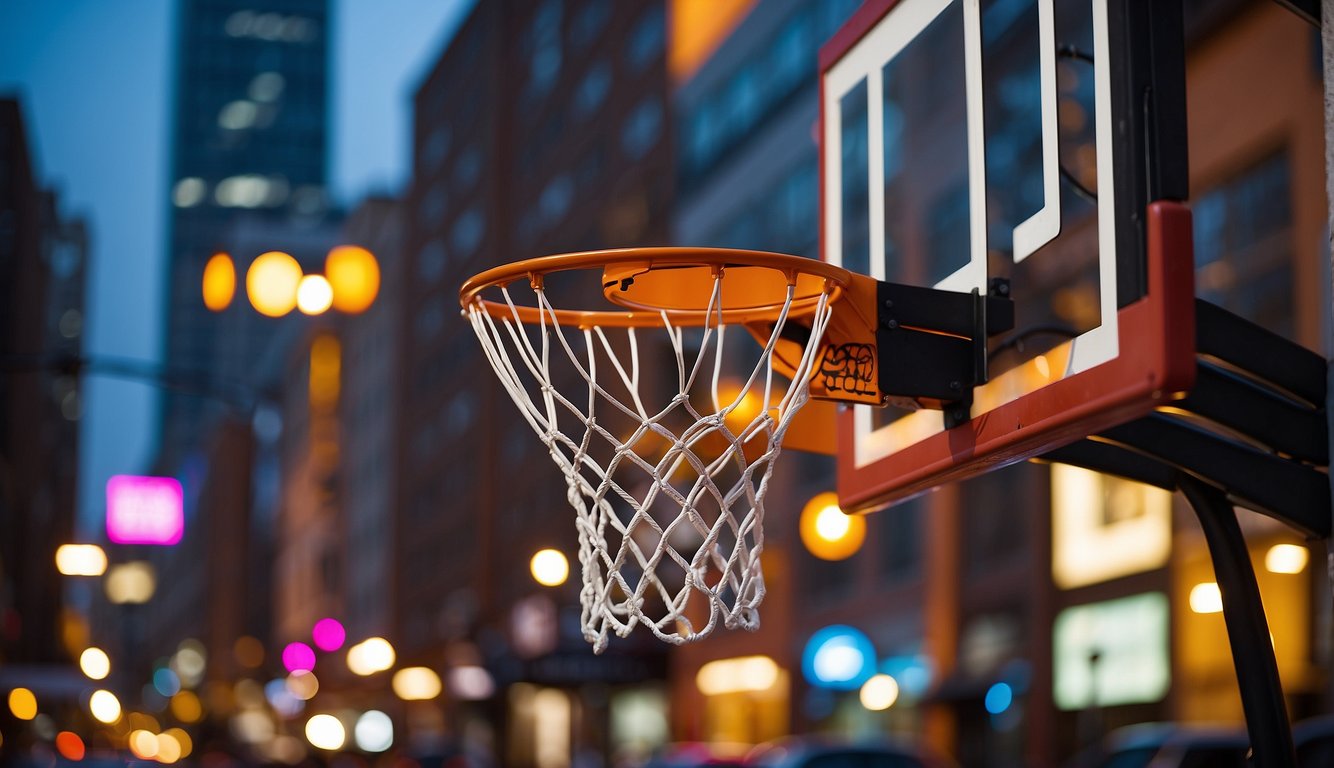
(328, 634)
(144, 510)
(298, 657)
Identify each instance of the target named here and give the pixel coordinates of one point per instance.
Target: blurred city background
(355, 574)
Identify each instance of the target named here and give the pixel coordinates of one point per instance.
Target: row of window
(785, 65)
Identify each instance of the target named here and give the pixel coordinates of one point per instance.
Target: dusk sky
(94, 81)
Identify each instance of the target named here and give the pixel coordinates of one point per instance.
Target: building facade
(544, 127)
(248, 137)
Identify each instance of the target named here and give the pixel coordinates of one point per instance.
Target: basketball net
(669, 522)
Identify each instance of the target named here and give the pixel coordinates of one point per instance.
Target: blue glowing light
(166, 682)
(999, 698)
(838, 657)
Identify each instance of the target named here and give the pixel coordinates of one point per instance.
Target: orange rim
(653, 281)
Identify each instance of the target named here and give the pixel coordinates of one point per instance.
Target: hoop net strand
(669, 541)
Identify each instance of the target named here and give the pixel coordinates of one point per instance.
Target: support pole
(1247, 629)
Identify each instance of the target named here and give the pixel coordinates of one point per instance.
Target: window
(436, 148)
(467, 233)
(556, 198)
(642, 128)
(431, 261)
(468, 169)
(1243, 244)
(647, 38)
(432, 206)
(592, 89)
(589, 21)
(899, 531)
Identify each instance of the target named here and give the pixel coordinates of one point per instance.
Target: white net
(669, 498)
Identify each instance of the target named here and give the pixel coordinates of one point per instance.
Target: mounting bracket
(938, 342)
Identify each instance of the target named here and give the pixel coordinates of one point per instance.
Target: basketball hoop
(666, 470)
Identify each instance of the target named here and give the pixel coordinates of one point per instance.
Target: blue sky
(93, 78)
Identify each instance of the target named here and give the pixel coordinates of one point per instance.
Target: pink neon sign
(144, 510)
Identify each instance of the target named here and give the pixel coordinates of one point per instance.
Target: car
(697, 755)
(813, 752)
(1314, 740)
(1169, 745)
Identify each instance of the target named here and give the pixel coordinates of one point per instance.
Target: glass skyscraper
(249, 133)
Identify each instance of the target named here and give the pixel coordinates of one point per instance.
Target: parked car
(1314, 740)
(1169, 745)
(811, 752)
(698, 755)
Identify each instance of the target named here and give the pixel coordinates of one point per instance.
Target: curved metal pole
(1247, 629)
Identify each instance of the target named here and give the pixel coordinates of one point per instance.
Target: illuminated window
(1104, 527)
(1110, 653)
(467, 233)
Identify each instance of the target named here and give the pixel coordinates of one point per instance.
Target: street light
(370, 656)
(95, 663)
(827, 532)
(549, 567)
(271, 283)
(81, 560)
(131, 583)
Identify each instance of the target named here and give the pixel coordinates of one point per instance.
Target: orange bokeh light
(219, 282)
(271, 283)
(70, 746)
(354, 275)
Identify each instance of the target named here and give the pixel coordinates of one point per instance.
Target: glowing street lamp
(104, 706)
(549, 567)
(219, 282)
(314, 295)
(354, 276)
(81, 560)
(827, 532)
(370, 656)
(416, 684)
(272, 282)
(95, 663)
(131, 583)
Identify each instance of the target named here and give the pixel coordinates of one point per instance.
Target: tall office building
(249, 135)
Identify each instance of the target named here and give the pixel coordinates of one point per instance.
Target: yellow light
(416, 684)
(697, 28)
(831, 523)
(95, 663)
(23, 703)
(168, 748)
(1104, 527)
(370, 656)
(744, 673)
(326, 365)
(271, 283)
(186, 707)
(313, 295)
(182, 739)
(1286, 558)
(827, 532)
(104, 706)
(1205, 598)
(132, 583)
(549, 567)
(325, 732)
(81, 560)
(303, 685)
(354, 276)
(143, 744)
(219, 282)
(879, 693)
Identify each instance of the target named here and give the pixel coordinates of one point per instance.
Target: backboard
(1035, 141)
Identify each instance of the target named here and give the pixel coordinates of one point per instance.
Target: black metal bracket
(935, 343)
